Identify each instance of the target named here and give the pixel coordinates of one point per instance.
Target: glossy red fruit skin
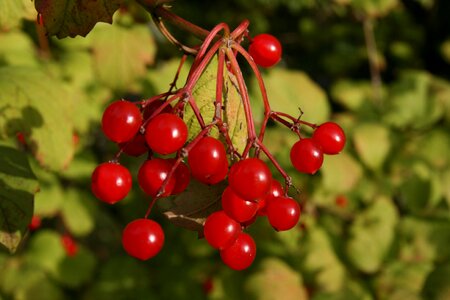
(306, 156)
(208, 158)
(110, 182)
(241, 254)
(143, 238)
(137, 146)
(237, 208)
(166, 133)
(250, 179)
(69, 245)
(121, 121)
(266, 50)
(330, 137)
(283, 213)
(153, 106)
(35, 223)
(152, 174)
(182, 177)
(220, 230)
(276, 190)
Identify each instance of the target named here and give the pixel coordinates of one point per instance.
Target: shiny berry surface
(110, 182)
(166, 133)
(182, 177)
(237, 208)
(241, 254)
(152, 175)
(283, 213)
(153, 106)
(143, 238)
(220, 230)
(121, 121)
(329, 137)
(276, 190)
(137, 146)
(250, 178)
(266, 50)
(208, 158)
(306, 156)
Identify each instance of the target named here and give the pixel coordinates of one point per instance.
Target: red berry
(182, 177)
(283, 213)
(69, 245)
(207, 159)
(241, 254)
(341, 201)
(166, 133)
(121, 121)
(152, 175)
(136, 146)
(237, 208)
(220, 230)
(110, 182)
(35, 223)
(329, 137)
(265, 50)
(306, 156)
(143, 238)
(250, 179)
(276, 190)
(208, 285)
(153, 106)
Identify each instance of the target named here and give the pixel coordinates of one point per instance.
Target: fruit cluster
(155, 127)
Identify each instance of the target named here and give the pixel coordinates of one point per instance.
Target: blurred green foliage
(376, 218)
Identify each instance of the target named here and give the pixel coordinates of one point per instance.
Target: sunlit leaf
(372, 143)
(13, 11)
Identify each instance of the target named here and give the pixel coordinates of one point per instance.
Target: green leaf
(77, 270)
(191, 208)
(160, 77)
(204, 94)
(332, 169)
(17, 49)
(33, 103)
(352, 290)
(121, 54)
(372, 234)
(45, 251)
(275, 280)
(77, 212)
(17, 188)
(75, 17)
(13, 11)
(289, 90)
(375, 8)
(353, 95)
(437, 284)
(372, 144)
(434, 147)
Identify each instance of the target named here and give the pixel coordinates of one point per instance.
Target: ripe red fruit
(329, 137)
(276, 190)
(166, 133)
(283, 213)
(136, 146)
(143, 238)
(69, 245)
(152, 175)
(121, 121)
(153, 106)
(110, 182)
(241, 254)
(182, 177)
(341, 201)
(265, 50)
(35, 223)
(237, 208)
(220, 230)
(250, 179)
(306, 156)
(208, 160)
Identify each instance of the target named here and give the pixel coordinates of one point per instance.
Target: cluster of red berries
(157, 129)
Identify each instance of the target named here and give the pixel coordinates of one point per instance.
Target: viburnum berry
(250, 178)
(137, 146)
(182, 177)
(276, 190)
(220, 230)
(283, 213)
(329, 137)
(265, 49)
(237, 208)
(35, 223)
(208, 160)
(306, 156)
(152, 175)
(241, 254)
(153, 106)
(143, 238)
(166, 133)
(110, 182)
(69, 245)
(121, 121)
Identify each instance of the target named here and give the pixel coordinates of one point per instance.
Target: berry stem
(287, 178)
